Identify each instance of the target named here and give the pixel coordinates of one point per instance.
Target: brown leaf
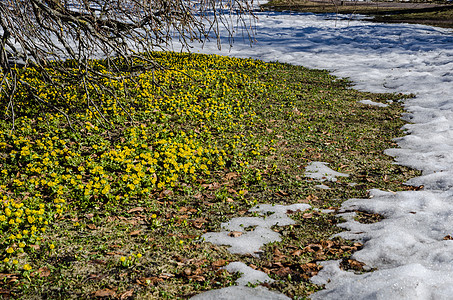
(297, 253)
(197, 278)
(198, 223)
(135, 233)
(198, 196)
(91, 226)
(214, 186)
(219, 263)
(136, 209)
(307, 215)
(231, 175)
(448, 237)
(166, 275)
(269, 130)
(105, 293)
(235, 233)
(4, 275)
(283, 272)
(187, 271)
(127, 294)
(282, 193)
(149, 280)
(313, 248)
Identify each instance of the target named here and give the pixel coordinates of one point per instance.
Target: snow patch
(369, 102)
(321, 172)
(246, 235)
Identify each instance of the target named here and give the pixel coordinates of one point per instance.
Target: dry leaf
(134, 233)
(198, 223)
(105, 293)
(307, 215)
(269, 130)
(127, 294)
(197, 278)
(235, 233)
(136, 209)
(219, 263)
(91, 226)
(231, 175)
(297, 253)
(149, 280)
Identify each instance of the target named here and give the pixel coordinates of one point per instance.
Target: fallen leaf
(198, 223)
(231, 175)
(166, 275)
(91, 226)
(149, 280)
(283, 272)
(297, 253)
(127, 294)
(198, 196)
(197, 278)
(307, 215)
(448, 237)
(136, 209)
(134, 233)
(105, 293)
(235, 233)
(219, 263)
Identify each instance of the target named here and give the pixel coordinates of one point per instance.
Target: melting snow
(321, 172)
(369, 102)
(246, 235)
(407, 248)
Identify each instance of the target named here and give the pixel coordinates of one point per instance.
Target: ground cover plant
(437, 13)
(113, 203)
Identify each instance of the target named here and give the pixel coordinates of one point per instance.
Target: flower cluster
(22, 226)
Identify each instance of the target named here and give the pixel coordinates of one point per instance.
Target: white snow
(248, 275)
(321, 172)
(369, 102)
(407, 248)
(246, 235)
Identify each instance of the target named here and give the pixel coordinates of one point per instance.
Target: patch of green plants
(114, 202)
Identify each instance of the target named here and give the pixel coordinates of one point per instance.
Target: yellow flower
(122, 259)
(51, 246)
(27, 267)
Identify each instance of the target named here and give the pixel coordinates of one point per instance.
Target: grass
(427, 13)
(117, 212)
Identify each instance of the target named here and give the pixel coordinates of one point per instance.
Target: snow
(321, 172)
(407, 249)
(246, 235)
(369, 102)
